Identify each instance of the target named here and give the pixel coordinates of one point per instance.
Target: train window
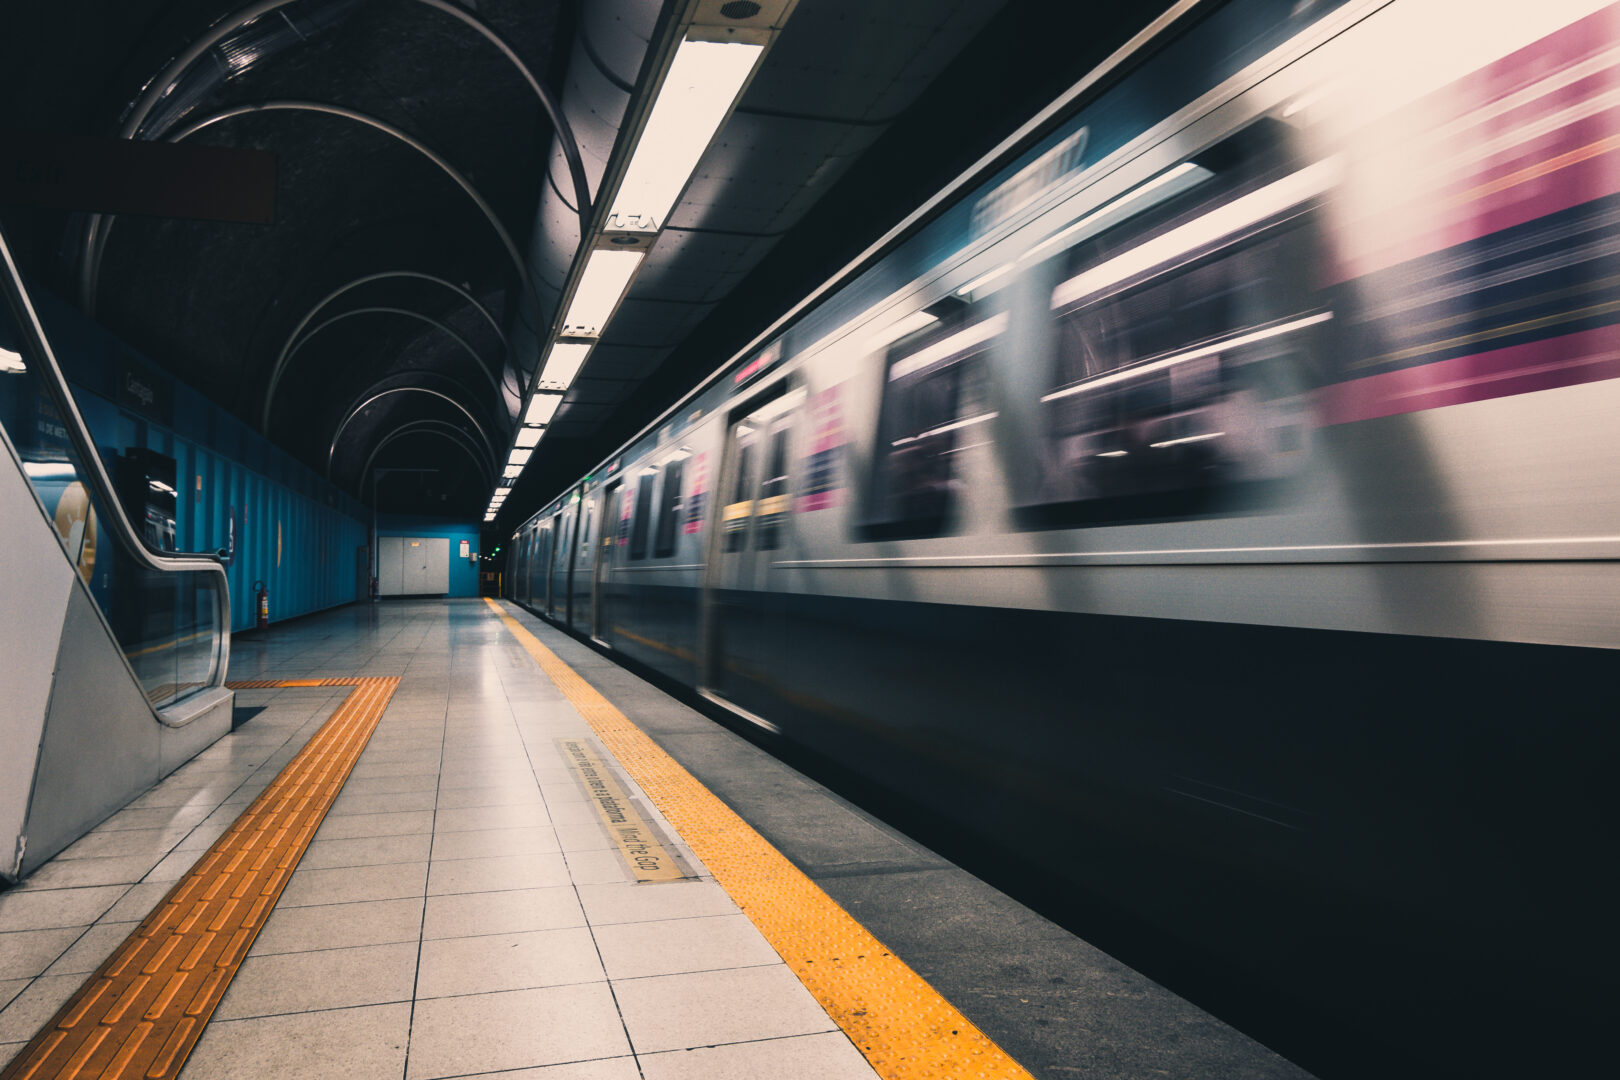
(774, 498)
(638, 526)
(933, 402)
(669, 511)
(739, 509)
(1185, 338)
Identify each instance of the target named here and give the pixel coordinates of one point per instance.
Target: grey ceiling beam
(95, 241)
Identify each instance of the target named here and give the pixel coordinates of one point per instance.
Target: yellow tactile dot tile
(143, 1011)
(901, 1023)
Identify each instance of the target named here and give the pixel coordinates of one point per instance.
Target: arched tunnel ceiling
(859, 111)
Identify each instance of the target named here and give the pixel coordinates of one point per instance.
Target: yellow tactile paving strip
(142, 1012)
(903, 1026)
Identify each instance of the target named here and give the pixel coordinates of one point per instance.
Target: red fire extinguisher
(263, 601)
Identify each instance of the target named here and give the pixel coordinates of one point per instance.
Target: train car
(1214, 503)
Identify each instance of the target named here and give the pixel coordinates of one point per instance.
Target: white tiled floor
(460, 913)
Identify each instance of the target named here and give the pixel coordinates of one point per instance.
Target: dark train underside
(1367, 849)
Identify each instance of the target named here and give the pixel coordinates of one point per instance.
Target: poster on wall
(466, 549)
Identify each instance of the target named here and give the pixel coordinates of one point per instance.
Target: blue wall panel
(281, 523)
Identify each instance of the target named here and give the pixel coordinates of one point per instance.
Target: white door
(427, 565)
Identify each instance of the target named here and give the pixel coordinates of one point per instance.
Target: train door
(739, 623)
(604, 555)
(541, 563)
(520, 567)
(551, 564)
(562, 559)
(580, 579)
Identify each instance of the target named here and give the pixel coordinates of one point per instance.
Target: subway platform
(445, 839)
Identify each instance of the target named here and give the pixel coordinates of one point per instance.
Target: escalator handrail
(95, 472)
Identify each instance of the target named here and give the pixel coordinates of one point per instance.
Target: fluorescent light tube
(528, 436)
(566, 358)
(489, 517)
(542, 407)
(607, 275)
(704, 79)
(519, 457)
(512, 472)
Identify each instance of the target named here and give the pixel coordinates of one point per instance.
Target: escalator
(113, 650)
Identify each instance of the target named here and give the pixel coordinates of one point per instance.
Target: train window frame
(774, 503)
(671, 506)
(1095, 422)
(640, 525)
(915, 365)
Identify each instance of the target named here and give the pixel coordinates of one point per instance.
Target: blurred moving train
(1215, 505)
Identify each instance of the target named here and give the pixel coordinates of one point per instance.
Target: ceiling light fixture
(701, 69)
(566, 358)
(542, 407)
(519, 457)
(607, 275)
(703, 81)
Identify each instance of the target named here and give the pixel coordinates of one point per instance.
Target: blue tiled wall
(284, 525)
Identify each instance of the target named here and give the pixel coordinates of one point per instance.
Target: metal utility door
(604, 555)
(755, 507)
(426, 564)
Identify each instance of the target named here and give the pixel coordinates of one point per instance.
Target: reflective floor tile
(468, 914)
(514, 1030)
(672, 1012)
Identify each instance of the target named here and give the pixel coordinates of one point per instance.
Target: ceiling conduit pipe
(293, 343)
(360, 405)
(407, 313)
(444, 430)
(95, 237)
(377, 124)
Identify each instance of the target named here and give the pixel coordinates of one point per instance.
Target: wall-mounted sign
(466, 549)
(140, 389)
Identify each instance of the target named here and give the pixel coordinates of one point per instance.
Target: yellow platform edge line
(903, 1026)
(140, 1014)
